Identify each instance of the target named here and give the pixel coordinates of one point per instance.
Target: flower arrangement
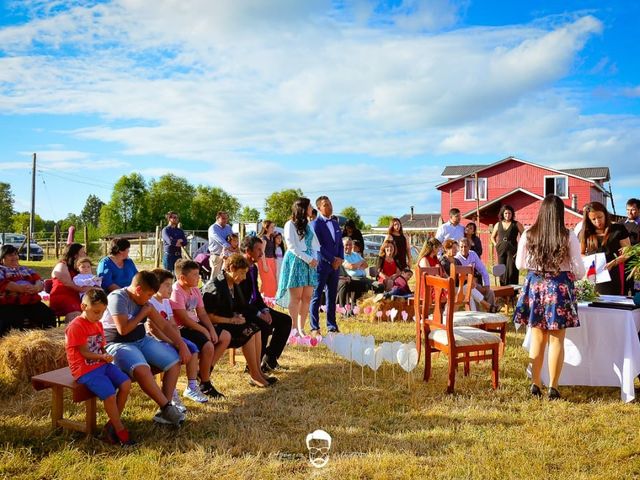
(586, 291)
(632, 265)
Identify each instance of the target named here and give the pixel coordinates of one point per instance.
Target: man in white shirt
(218, 234)
(451, 229)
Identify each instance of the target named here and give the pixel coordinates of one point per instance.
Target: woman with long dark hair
(600, 235)
(401, 242)
(470, 233)
(505, 238)
(353, 232)
(298, 276)
(547, 303)
(64, 298)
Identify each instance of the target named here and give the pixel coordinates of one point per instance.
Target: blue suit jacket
(329, 248)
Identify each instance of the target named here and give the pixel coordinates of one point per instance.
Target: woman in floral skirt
(547, 303)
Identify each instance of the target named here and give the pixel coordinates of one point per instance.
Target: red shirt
(389, 268)
(83, 332)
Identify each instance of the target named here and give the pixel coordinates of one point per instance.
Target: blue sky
(365, 101)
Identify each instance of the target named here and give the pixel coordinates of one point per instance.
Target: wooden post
(140, 253)
(477, 201)
(157, 248)
(85, 230)
(106, 248)
(56, 236)
(491, 247)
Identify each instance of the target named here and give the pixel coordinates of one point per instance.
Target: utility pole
(32, 217)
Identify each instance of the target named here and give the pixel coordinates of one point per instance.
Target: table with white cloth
(604, 351)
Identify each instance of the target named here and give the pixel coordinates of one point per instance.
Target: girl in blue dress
(298, 275)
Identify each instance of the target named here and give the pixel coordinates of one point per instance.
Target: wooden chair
(460, 344)
(419, 273)
(491, 322)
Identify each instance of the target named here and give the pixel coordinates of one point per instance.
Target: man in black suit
(275, 324)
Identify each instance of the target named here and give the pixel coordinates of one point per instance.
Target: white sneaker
(195, 394)
(177, 402)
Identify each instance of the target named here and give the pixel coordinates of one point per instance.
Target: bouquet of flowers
(586, 291)
(632, 265)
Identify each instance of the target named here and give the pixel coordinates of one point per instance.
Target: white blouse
(573, 263)
(297, 245)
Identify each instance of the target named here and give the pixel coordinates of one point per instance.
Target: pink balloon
(367, 310)
(379, 314)
(405, 315)
(356, 310)
(348, 307)
(313, 341)
(293, 340)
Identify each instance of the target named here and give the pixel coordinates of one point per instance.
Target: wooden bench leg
(57, 406)
(90, 416)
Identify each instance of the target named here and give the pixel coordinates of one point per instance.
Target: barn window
(470, 188)
(556, 185)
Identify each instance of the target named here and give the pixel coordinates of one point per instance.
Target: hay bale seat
(386, 304)
(29, 353)
(39, 357)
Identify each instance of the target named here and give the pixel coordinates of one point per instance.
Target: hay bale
(384, 305)
(25, 354)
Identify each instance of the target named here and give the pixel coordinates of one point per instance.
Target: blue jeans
(146, 351)
(328, 277)
(169, 261)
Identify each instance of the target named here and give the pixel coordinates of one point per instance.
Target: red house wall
(507, 176)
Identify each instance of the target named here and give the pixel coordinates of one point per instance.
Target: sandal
(494, 309)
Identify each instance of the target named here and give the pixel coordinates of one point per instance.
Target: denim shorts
(193, 348)
(146, 351)
(104, 380)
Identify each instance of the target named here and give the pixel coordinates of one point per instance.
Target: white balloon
(373, 358)
(407, 357)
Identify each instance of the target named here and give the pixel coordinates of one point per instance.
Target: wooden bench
(57, 381)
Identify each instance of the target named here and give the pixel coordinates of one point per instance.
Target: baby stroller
(202, 259)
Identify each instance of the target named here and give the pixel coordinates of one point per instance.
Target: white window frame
(482, 192)
(566, 181)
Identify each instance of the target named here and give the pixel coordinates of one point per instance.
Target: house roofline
(485, 167)
(508, 194)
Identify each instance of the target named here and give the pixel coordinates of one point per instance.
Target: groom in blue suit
(330, 258)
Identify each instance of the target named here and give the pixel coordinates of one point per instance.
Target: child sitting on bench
(91, 366)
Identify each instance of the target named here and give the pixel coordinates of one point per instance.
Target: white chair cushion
(465, 336)
(459, 318)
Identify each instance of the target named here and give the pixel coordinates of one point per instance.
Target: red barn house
(522, 185)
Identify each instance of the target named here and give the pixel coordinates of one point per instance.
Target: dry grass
(387, 431)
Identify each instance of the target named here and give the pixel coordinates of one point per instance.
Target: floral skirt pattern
(294, 273)
(547, 301)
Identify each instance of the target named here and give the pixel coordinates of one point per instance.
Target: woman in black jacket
(228, 309)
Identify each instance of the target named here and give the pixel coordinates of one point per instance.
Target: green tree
(21, 223)
(6, 207)
(207, 201)
(384, 221)
(352, 214)
(249, 215)
(277, 206)
(91, 212)
(171, 193)
(127, 210)
(71, 220)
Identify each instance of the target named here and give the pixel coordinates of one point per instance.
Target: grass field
(386, 431)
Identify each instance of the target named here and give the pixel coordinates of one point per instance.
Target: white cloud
(229, 83)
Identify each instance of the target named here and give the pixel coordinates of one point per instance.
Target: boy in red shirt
(90, 364)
